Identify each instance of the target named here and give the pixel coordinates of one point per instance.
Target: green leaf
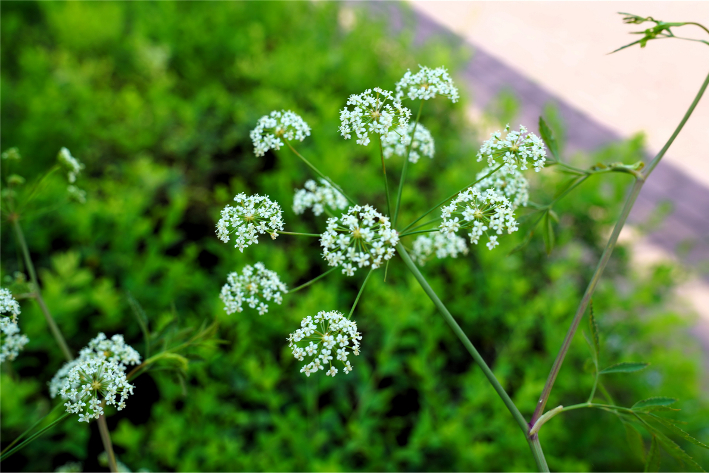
(670, 446)
(670, 425)
(653, 402)
(653, 462)
(624, 368)
(549, 138)
(593, 328)
(548, 234)
(635, 441)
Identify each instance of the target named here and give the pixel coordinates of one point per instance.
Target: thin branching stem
(449, 198)
(317, 171)
(404, 166)
(279, 232)
(38, 293)
(311, 281)
(605, 258)
(362, 288)
(384, 174)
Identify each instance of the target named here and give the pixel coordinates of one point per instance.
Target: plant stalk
(108, 446)
(317, 171)
(306, 284)
(631, 199)
(536, 451)
(38, 294)
(384, 173)
(404, 166)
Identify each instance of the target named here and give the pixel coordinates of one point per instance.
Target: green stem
(462, 337)
(279, 232)
(315, 169)
(419, 231)
(404, 166)
(434, 220)
(30, 429)
(605, 258)
(360, 293)
(384, 173)
(108, 446)
(536, 449)
(594, 387)
(5, 455)
(450, 197)
(38, 294)
(312, 281)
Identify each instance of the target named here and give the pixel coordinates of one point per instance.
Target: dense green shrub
(158, 99)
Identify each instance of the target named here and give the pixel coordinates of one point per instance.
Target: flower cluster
(113, 350)
(325, 333)
(71, 163)
(512, 185)
(361, 237)
(427, 84)
(318, 198)
(276, 125)
(10, 338)
(255, 285)
(92, 382)
(481, 212)
(398, 144)
(377, 112)
(251, 216)
(514, 150)
(438, 244)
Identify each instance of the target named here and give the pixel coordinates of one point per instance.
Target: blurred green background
(157, 99)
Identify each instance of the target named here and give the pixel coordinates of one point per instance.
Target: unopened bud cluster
(318, 198)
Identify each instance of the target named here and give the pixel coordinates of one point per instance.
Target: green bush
(158, 99)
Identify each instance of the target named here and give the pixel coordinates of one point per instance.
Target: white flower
(92, 381)
(254, 285)
(361, 237)
(11, 341)
(8, 305)
(113, 350)
(276, 125)
(481, 212)
(318, 198)
(427, 84)
(73, 165)
(331, 332)
(76, 194)
(251, 216)
(438, 244)
(513, 185)
(398, 144)
(514, 150)
(379, 113)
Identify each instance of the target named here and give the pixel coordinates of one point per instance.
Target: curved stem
(38, 294)
(605, 258)
(317, 171)
(450, 197)
(419, 231)
(404, 166)
(5, 455)
(312, 281)
(108, 446)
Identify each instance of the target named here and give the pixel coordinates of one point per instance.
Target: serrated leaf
(635, 441)
(593, 328)
(670, 446)
(654, 401)
(670, 424)
(549, 138)
(548, 234)
(653, 461)
(624, 368)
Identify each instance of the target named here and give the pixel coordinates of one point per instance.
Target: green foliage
(158, 99)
